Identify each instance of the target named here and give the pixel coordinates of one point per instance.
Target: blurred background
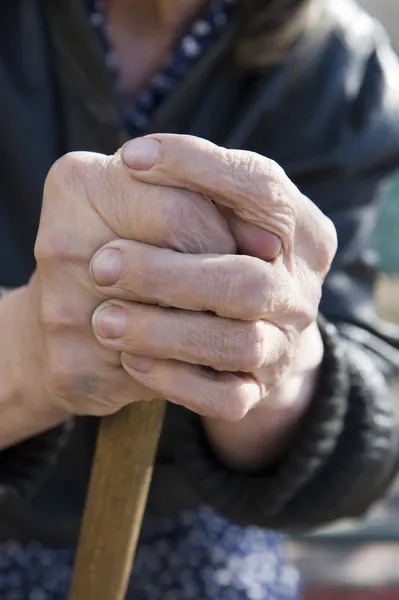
(387, 12)
(360, 561)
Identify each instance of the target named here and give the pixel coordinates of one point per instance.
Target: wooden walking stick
(120, 480)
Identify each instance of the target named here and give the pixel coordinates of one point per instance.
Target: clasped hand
(177, 269)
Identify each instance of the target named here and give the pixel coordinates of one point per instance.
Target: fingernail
(143, 364)
(106, 266)
(110, 322)
(141, 154)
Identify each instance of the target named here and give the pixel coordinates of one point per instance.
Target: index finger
(255, 187)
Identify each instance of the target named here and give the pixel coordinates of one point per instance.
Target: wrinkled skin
(180, 298)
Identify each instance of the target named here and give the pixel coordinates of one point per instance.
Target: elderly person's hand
(251, 320)
(90, 200)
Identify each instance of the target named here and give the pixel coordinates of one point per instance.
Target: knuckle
(248, 174)
(298, 305)
(272, 188)
(307, 317)
(274, 171)
(58, 309)
(44, 248)
(298, 322)
(309, 309)
(53, 246)
(233, 404)
(54, 317)
(67, 173)
(279, 194)
(251, 345)
(261, 178)
(239, 288)
(322, 242)
(115, 198)
(67, 183)
(241, 165)
(242, 348)
(255, 287)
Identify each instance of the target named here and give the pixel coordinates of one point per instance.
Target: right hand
(90, 200)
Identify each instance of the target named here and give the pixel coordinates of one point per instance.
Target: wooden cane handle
(119, 485)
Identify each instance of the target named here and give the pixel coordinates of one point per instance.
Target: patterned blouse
(197, 555)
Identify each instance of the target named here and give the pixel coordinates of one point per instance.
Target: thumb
(252, 240)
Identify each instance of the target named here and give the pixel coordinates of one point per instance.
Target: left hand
(253, 193)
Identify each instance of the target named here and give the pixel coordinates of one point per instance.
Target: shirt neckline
(204, 31)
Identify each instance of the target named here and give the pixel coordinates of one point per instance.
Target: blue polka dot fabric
(203, 32)
(195, 556)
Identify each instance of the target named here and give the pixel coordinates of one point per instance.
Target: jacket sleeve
(334, 127)
(25, 467)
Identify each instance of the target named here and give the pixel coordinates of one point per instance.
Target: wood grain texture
(120, 481)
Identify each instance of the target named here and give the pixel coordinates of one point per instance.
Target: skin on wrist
(265, 433)
(25, 409)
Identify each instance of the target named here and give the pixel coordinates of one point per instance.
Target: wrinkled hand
(238, 313)
(91, 200)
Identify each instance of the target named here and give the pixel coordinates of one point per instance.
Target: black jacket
(329, 114)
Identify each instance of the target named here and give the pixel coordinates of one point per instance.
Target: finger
(196, 338)
(255, 187)
(221, 395)
(164, 217)
(251, 239)
(237, 287)
(244, 181)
